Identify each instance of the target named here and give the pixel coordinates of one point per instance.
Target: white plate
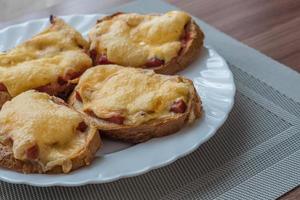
(213, 81)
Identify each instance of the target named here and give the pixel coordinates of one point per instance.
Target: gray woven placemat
(255, 155)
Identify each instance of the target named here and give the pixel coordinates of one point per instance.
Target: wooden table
(270, 26)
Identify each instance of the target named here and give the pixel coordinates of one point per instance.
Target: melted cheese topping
(33, 118)
(40, 60)
(40, 72)
(133, 39)
(138, 95)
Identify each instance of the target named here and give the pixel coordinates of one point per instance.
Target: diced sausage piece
(184, 38)
(103, 60)
(81, 127)
(178, 106)
(185, 35)
(90, 112)
(33, 152)
(54, 88)
(72, 75)
(116, 118)
(3, 87)
(69, 76)
(49, 88)
(77, 96)
(93, 55)
(154, 62)
(61, 81)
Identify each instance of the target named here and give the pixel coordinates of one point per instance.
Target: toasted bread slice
(46, 62)
(133, 104)
(41, 134)
(164, 43)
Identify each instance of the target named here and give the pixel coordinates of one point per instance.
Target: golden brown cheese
(39, 72)
(133, 39)
(58, 37)
(139, 95)
(33, 118)
(40, 60)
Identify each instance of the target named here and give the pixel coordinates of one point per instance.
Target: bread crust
(187, 54)
(85, 157)
(144, 132)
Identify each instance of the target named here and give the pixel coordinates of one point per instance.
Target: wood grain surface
(270, 26)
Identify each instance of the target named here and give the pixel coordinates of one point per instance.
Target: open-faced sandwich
(47, 62)
(133, 104)
(166, 43)
(41, 134)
